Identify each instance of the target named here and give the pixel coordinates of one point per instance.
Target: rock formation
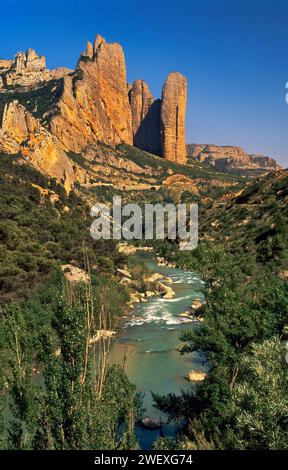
(60, 111)
(232, 159)
(94, 105)
(21, 132)
(60, 72)
(26, 70)
(17, 126)
(159, 125)
(173, 110)
(70, 111)
(145, 118)
(49, 115)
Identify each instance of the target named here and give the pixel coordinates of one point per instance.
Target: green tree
(261, 397)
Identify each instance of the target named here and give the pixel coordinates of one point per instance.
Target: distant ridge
(232, 159)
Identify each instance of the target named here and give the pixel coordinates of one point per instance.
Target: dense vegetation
(254, 222)
(40, 227)
(62, 392)
(57, 390)
(243, 402)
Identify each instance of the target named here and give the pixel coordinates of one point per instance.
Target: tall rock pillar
(145, 118)
(173, 111)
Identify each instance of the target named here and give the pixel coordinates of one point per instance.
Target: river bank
(147, 341)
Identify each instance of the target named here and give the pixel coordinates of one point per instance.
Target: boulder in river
(134, 297)
(166, 290)
(149, 293)
(197, 303)
(186, 314)
(187, 320)
(154, 277)
(151, 423)
(196, 375)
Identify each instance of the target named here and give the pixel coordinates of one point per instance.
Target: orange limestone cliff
(94, 105)
(173, 111)
(21, 132)
(159, 125)
(47, 115)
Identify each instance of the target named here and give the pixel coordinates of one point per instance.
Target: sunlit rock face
(21, 132)
(159, 125)
(173, 111)
(49, 114)
(94, 105)
(232, 159)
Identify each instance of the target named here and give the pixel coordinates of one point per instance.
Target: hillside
(128, 169)
(253, 221)
(242, 256)
(42, 227)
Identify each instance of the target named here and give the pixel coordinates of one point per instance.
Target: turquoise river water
(148, 340)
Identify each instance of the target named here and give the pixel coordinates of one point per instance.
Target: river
(148, 340)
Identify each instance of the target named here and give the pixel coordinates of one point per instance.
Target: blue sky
(234, 54)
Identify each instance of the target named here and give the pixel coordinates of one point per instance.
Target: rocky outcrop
(132, 249)
(232, 159)
(59, 112)
(102, 335)
(145, 118)
(94, 105)
(266, 164)
(26, 69)
(21, 132)
(17, 126)
(182, 183)
(74, 274)
(173, 111)
(159, 125)
(49, 158)
(5, 64)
